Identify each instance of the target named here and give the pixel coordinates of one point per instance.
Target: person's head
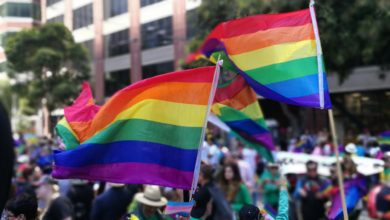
(312, 168)
(273, 169)
(231, 173)
(250, 212)
(23, 207)
(350, 149)
(150, 200)
(386, 159)
(202, 205)
(205, 174)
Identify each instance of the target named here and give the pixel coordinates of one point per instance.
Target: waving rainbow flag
(235, 103)
(147, 133)
(77, 116)
(279, 55)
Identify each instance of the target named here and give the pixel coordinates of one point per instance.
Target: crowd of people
(234, 183)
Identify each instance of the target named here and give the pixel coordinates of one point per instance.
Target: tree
(52, 64)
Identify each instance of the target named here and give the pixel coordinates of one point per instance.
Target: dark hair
(311, 163)
(24, 204)
(207, 172)
(225, 184)
(27, 172)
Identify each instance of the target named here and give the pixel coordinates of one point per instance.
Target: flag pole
(338, 164)
(211, 98)
(330, 111)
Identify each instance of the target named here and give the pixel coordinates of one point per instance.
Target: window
(157, 33)
(89, 46)
(149, 2)
(156, 69)
(25, 10)
(114, 8)
(117, 43)
(51, 2)
(58, 19)
(116, 81)
(192, 19)
(82, 16)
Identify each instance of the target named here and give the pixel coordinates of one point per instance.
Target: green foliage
(353, 32)
(54, 63)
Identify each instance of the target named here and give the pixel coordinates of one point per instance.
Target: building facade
(128, 40)
(16, 15)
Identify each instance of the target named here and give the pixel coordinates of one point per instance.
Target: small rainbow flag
(384, 141)
(235, 103)
(147, 133)
(354, 191)
(279, 55)
(182, 208)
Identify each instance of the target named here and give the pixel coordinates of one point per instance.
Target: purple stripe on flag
(128, 173)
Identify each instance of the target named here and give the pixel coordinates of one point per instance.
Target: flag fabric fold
(354, 191)
(275, 53)
(236, 104)
(147, 133)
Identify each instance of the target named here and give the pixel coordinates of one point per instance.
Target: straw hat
(151, 197)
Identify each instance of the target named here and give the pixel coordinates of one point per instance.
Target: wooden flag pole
(338, 164)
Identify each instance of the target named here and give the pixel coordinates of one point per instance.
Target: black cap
(202, 196)
(249, 212)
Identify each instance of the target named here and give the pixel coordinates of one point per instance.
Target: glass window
(117, 43)
(157, 33)
(149, 2)
(83, 16)
(51, 2)
(25, 10)
(89, 46)
(156, 69)
(116, 81)
(114, 8)
(192, 19)
(58, 19)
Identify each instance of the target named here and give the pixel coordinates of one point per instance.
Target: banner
(295, 163)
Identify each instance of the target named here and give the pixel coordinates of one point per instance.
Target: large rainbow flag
(147, 133)
(235, 103)
(277, 54)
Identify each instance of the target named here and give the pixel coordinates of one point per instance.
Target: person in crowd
(31, 176)
(348, 166)
(385, 175)
(6, 157)
(22, 207)
(149, 204)
(246, 172)
(81, 195)
(220, 207)
(251, 212)
(54, 206)
(112, 204)
(214, 153)
(309, 190)
(383, 202)
(203, 204)
(236, 192)
(269, 185)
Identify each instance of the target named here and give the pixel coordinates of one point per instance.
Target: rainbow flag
(77, 116)
(235, 103)
(354, 191)
(182, 208)
(384, 141)
(147, 133)
(277, 54)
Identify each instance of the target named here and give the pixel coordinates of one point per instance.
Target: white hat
(151, 197)
(350, 148)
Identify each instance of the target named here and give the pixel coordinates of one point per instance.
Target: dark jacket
(6, 157)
